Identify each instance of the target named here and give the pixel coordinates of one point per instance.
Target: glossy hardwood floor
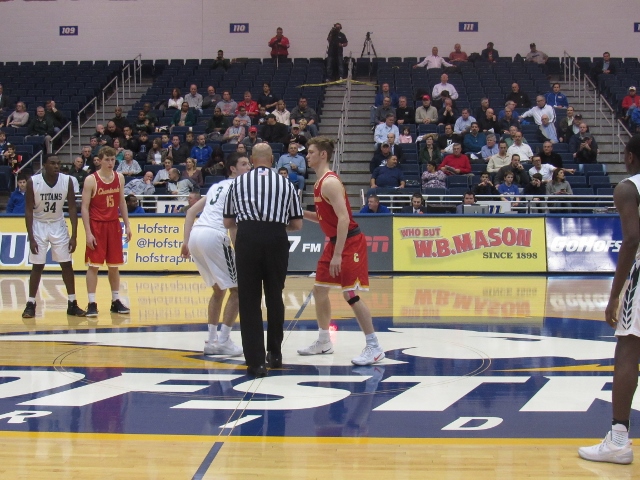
(485, 377)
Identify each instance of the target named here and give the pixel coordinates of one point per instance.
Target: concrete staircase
(358, 148)
(610, 151)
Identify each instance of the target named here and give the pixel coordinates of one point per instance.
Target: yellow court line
(299, 440)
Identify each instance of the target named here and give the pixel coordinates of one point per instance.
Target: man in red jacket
(279, 45)
(456, 163)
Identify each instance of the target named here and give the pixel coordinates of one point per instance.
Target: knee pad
(353, 300)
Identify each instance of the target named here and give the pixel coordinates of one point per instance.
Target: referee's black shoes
(259, 371)
(274, 360)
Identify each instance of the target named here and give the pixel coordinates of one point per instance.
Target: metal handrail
(27, 163)
(104, 93)
(39, 155)
(68, 125)
(93, 102)
(344, 119)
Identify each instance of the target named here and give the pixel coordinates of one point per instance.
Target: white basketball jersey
(211, 216)
(636, 181)
(49, 200)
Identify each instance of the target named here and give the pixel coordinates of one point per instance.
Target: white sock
(619, 435)
(72, 298)
(224, 333)
(92, 297)
(31, 299)
(372, 339)
(115, 296)
(213, 332)
(323, 335)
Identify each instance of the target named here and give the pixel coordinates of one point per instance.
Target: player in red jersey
(343, 263)
(102, 196)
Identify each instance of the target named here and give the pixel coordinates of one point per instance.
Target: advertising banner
(468, 244)
(583, 244)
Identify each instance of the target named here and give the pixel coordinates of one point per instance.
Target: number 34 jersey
(49, 200)
(211, 216)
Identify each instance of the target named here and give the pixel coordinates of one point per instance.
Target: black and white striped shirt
(262, 195)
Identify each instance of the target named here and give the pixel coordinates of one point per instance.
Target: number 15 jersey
(49, 200)
(106, 200)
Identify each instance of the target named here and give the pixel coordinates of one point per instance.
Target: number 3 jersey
(211, 216)
(49, 200)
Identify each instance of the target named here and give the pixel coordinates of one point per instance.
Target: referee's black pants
(262, 258)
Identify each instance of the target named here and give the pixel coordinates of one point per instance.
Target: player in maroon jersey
(102, 196)
(343, 263)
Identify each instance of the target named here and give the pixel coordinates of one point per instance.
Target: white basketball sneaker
(227, 348)
(607, 451)
(317, 348)
(369, 356)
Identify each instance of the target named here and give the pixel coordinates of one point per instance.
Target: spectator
(56, 118)
(267, 99)
(245, 120)
(227, 104)
(539, 110)
(129, 167)
(309, 114)
(385, 92)
(555, 98)
(490, 149)
(129, 142)
(416, 207)
(282, 171)
(337, 41)
(587, 152)
(380, 135)
(215, 165)
(489, 54)
(474, 140)
(142, 123)
(295, 164)
(141, 186)
(388, 176)
(448, 113)
(463, 123)
(11, 158)
(549, 156)
(485, 186)
(20, 117)
(95, 146)
(509, 105)
(5, 103)
(520, 175)
(274, 132)
(536, 187)
(374, 206)
(405, 114)
(545, 170)
(118, 119)
(507, 121)
(144, 145)
(430, 152)
(194, 99)
(184, 117)
(150, 115)
(157, 154)
(433, 61)
(547, 131)
(261, 119)
(201, 152)
(133, 205)
(301, 140)
(458, 55)
(578, 139)
(302, 124)
(221, 62)
(509, 191)
(456, 163)
(468, 199)
(603, 66)
(235, 133)
(217, 125)
(433, 178)
(249, 104)
(536, 56)
(117, 146)
(78, 171)
(41, 127)
(3, 142)
(177, 152)
(566, 125)
(177, 186)
(448, 138)
(427, 113)
(500, 159)
(444, 85)
(396, 148)
(192, 199)
(175, 100)
(558, 186)
(630, 102)
(282, 114)
(379, 115)
(489, 122)
(111, 133)
(521, 99)
(520, 148)
(17, 200)
(251, 140)
(405, 135)
(189, 140)
(211, 99)
(192, 172)
(380, 157)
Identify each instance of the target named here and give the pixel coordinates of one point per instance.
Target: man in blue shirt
(385, 128)
(295, 164)
(388, 176)
(474, 140)
(373, 206)
(17, 199)
(556, 98)
(201, 152)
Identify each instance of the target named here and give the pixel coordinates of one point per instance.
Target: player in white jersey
(625, 318)
(46, 226)
(210, 247)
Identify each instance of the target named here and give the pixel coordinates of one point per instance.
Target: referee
(264, 205)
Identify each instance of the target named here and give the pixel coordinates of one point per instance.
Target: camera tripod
(368, 47)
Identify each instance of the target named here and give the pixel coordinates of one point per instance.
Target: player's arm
(28, 216)
(311, 216)
(87, 194)
(626, 200)
(124, 213)
(333, 191)
(188, 224)
(73, 216)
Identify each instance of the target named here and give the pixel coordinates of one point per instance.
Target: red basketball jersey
(326, 215)
(106, 200)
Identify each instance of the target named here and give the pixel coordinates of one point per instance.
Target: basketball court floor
(485, 377)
